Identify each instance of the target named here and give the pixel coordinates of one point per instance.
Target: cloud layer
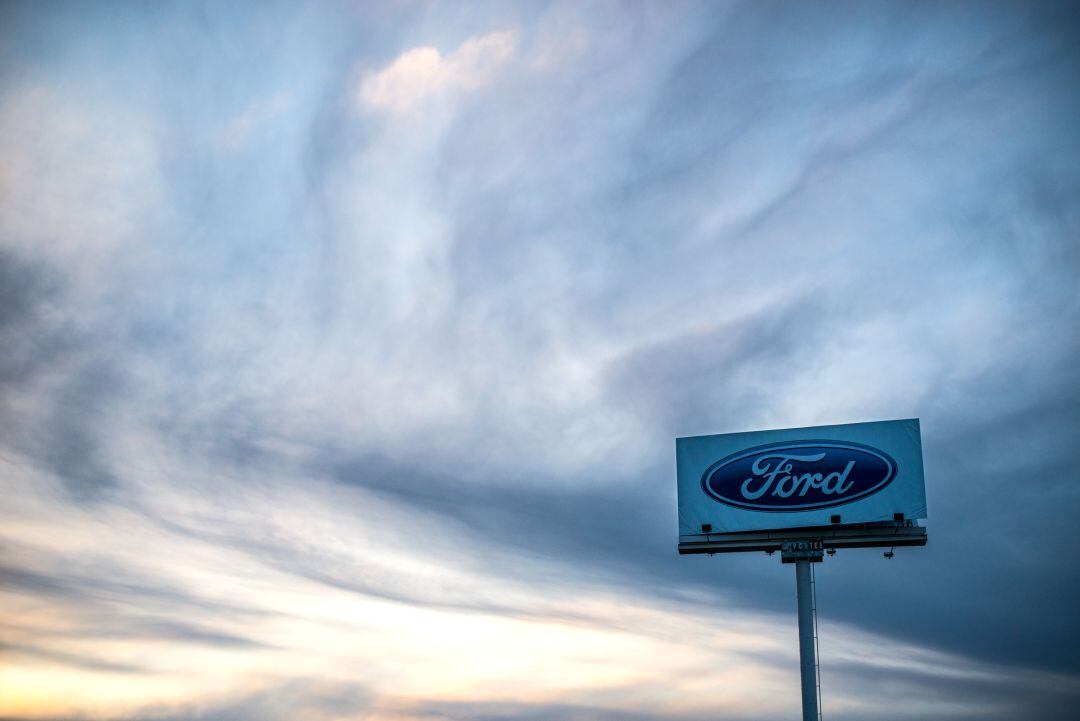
(342, 351)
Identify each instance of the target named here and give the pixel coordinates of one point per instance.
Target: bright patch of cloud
(422, 74)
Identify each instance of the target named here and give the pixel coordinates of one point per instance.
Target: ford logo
(799, 475)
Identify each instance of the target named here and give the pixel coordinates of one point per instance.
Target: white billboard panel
(798, 477)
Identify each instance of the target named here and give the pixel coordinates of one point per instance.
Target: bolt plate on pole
(808, 550)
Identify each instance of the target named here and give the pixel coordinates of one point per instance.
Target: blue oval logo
(798, 476)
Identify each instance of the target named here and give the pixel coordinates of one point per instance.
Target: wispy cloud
(342, 350)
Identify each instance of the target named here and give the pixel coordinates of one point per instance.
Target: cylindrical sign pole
(806, 642)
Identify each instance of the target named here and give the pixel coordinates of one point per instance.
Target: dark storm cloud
(896, 689)
(991, 561)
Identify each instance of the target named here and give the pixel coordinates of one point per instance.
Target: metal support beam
(867, 535)
(807, 665)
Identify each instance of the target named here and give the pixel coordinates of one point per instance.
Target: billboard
(798, 477)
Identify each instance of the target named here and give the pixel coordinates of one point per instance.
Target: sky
(343, 347)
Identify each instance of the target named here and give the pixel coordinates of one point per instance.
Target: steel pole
(806, 642)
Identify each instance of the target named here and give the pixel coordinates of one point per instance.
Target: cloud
(256, 116)
(420, 75)
(85, 663)
(77, 181)
(390, 395)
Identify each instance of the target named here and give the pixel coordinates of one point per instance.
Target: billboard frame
(855, 535)
(888, 479)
